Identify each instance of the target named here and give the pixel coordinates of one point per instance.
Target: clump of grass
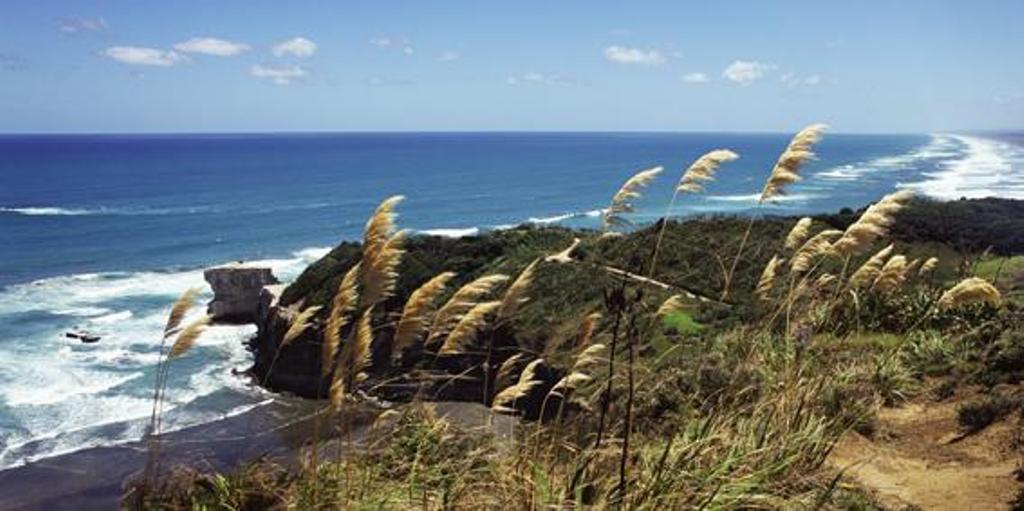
(893, 379)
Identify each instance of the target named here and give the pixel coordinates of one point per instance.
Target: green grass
(682, 323)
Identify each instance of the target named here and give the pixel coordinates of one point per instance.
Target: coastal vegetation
(712, 362)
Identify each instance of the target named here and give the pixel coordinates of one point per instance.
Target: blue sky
(204, 66)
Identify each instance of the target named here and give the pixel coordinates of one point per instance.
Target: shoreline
(96, 477)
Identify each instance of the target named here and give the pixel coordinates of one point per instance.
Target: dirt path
(918, 459)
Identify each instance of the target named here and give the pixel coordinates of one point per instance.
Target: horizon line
(472, 132)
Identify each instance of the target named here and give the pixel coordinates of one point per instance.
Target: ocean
(102, 233)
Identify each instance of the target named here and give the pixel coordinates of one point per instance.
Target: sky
(81, 66)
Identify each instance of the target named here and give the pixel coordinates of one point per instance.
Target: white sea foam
(147, 210)
(54, 388)
(752, 197)
(46, 211)
(112, 318)
(554, 219)
(82, 311)
(452, 233)
(103, 210)
(938, 147)
(987, 168)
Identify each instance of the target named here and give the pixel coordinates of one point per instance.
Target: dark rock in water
(236, 291)
(85, 337)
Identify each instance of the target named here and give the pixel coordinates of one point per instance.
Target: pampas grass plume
(703, 170)
(187, 338)
(767, 280)
(527, 381)
(380, 269)
(969, 291)
(465, 331)
(180, 308)
(515, 295)
(798, 234)
(928, 266)
(299, 325)
(787, 168)
(869, 271)
(464, 299)
(818, 245)
(892, 274)
(672, 304)
(873, 224)
(622, 200)
(414, 316)
(342, 304)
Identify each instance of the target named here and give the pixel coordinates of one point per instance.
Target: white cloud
(138, 56)
(211, 46)
(795, 80)
(448, 56)
(623, 55)
(746, 72)
(281, 75)
(78, 25)
(534, 77)
(296, 46)
(398, 43)
(697, 77)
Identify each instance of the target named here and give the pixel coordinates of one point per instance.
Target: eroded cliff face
(294, 369)
(236, 291)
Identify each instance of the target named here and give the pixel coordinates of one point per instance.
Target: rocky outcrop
(236, 291)
(295, 368)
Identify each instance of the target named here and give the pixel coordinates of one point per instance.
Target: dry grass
(415, 316)
(515, 295)
(798, 234)
(188, 336)
(873, 224)
(817, 246)
(969, 291)
(179, 309)
(343, 303)
(299, 325)
(870, 270)
(787, 168)
(505, 400)
(767, 281)
(622, 201)
(703, 170)
(465, 331)
(461, 302)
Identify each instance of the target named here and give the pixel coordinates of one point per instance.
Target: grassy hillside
(650, 403)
